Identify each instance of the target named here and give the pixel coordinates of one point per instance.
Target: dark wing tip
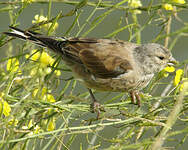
(25, 32)
(17, 29)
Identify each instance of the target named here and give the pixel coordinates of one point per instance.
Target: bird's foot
(96, 107)
(135, 98)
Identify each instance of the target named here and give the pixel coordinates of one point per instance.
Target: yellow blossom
(13, 65)
(135, 4)
(27, 1)
(169, 69)
(42, 94)
(1, 95)
(47, 70)
(179, 1)
(42, 18)
(35, 92)
(51, 125)
(4, 107)
(39, 19)
(45, 61)
(184, 84)
(165, 74)
(167, 6)
(30, 124)
(177, 79)
(43, 58)
(57, 72)
(13, 122)
(37, 129)
(43, 71)
(165, 71)
(33, 71)
(50, 98)
(35, 55)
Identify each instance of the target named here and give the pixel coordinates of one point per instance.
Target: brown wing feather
(104, 58)
(110, 68)
(73, 47)
(99, 58)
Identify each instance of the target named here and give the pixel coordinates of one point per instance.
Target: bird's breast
(123, 83)
(132, 80)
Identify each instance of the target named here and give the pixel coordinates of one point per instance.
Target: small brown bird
(103, 64)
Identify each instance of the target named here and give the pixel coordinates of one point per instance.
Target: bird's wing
(103, 58)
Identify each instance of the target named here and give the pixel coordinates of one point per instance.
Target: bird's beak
(172, 62)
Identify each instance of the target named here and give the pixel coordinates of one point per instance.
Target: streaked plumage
(103, 64)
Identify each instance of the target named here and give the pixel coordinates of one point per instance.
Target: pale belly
(117, 84)
(123, 83)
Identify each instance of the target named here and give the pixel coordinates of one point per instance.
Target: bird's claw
(96, 107)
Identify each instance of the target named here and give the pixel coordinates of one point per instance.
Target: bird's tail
(39, 39)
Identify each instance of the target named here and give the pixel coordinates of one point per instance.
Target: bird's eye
(161, 57)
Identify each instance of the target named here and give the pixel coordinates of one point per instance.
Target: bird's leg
(132, 94)
(95, 105)
(135, 97)
(138, 99)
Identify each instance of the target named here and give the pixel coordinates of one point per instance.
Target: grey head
(153, 57)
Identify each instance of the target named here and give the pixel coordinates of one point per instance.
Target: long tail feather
(44, 41)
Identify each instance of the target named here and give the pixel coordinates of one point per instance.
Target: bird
(105, 64)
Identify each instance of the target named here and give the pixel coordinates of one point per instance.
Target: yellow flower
(134, 3)
(169, 69)
(184, 84)
(35, 55)
(27, 1)
(30, 124)
(177, 79)
(167, 6)
(33, 71)
(50, 98)
(179, 1)
(13, 64)
(13, 122)
(43, 58)
(42, 94)
(165, 74)
(42, 18)
(37, 129)
(57, 72)
(39, 19)
(4, 107)
(165, 71)
(46, 59)
(51, 125)
(47, 70)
